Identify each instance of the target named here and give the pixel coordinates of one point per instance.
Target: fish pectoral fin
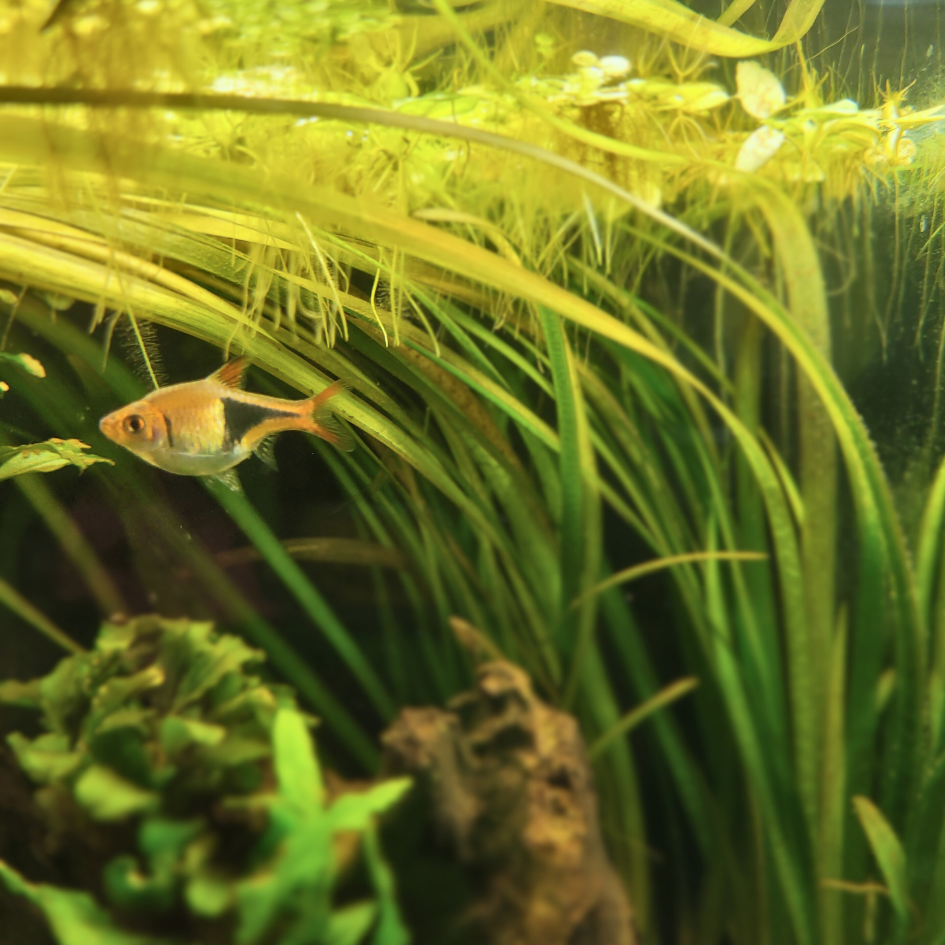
(265, 451)
(232, 374)
(229, 479)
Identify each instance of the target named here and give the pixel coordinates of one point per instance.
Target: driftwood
(511, 794)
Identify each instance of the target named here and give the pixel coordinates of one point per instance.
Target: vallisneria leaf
(889, 853)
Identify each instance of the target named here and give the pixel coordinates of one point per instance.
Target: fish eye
(134, 423)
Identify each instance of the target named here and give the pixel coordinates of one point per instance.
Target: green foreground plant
(164, 729)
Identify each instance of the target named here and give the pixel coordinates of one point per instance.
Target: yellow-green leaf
(682, 25)
(45, 457)
(108, 796)
(25, 362)
(888, 851)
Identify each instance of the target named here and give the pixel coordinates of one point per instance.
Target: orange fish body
(205, 428)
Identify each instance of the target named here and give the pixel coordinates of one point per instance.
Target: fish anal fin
(265, 451)
(230, 479)
(232, 374)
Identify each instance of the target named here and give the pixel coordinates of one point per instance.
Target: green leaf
(199, 659)
(46, 457)
(160, 837)
(25, 362)
(298, 876)
(108, 796)
(123, 750)
(390, 926)
(354, 811)
(209, 894)
(47, 758)
(888, 851)
(129, 888)
(348, 926)
(235, 751)
(63, 695)
(26, 695)
(297, 771)
(118, 691)
(75, 917)
(178, 733)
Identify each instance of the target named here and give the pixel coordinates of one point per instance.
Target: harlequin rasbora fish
(206, 427)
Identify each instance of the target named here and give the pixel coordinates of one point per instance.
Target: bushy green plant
(165, 731)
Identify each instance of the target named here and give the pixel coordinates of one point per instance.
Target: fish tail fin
(323, 423)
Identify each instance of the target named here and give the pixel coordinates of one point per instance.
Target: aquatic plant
(464, 215)
(163, 729)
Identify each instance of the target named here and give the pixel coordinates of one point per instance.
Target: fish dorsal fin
(265, 452)
(232, 374)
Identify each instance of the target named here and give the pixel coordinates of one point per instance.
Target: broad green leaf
(348, 926)
(353, 811)
(199, 659)
(162, 836)
(47, 758)
(890, 856)
(133, 889)
(46, 457)
(297, 876)
(25, 362)
(75, 917)
(178, 733)
(300, 780)
(26, 695)
(115, 693)
(209, 894)
(108, 796)
(235, 751)
(64, 697)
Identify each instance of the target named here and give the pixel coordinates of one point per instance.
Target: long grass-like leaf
(888, 851)
(74, 543)
(14, 601)
(677, 22)
(633, 718)
(637, 571)
(304, 592)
